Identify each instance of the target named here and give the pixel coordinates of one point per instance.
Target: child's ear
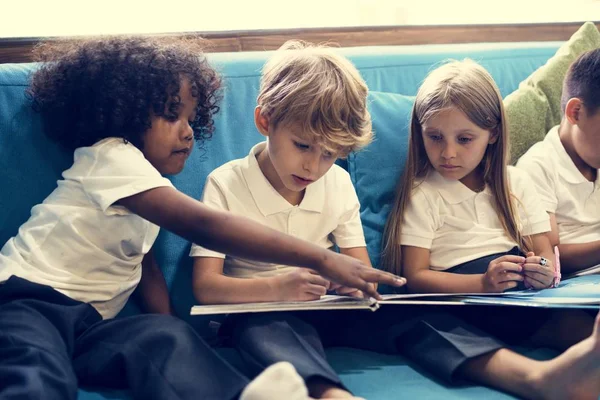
(573, 110)
(261, 121)
(494, 136)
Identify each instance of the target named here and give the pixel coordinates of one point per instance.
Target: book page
(328, 302)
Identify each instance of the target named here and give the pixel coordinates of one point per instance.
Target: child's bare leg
(575, 374)
(564, 329)
(505, 370)
(323, 389)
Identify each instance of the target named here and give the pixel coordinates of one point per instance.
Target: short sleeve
(533, 217)
(213, 197)
(543, 177)
(418, 224)
(349, 232)
(113, 170)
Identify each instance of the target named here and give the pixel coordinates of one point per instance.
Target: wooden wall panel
(18, 50)
(409, 35)
(14, 51)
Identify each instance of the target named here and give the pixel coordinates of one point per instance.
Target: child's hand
(301, 284)
(538, 276)
(503, 273)
(347, 291)
(351, 272)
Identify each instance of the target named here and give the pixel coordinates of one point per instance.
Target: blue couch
(30, 165)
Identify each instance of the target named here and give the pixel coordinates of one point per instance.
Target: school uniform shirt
(79, 241)
(563, 190)
(329, 212)
(458, 225)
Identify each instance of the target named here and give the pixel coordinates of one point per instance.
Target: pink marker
(557, 274)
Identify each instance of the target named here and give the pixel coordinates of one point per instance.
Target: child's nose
(449, 151)
(311, 162)
(187, 132)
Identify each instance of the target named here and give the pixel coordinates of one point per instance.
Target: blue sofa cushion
(30, 163)
(376, 170)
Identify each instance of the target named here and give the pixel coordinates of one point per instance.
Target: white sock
(279, 381)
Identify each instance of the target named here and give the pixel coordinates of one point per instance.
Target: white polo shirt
(458, 225)
(563, 190)
(78, 241)
(329, 212)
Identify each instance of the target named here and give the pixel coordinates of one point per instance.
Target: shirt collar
(567, 169)
(453, 192)
(267, 199)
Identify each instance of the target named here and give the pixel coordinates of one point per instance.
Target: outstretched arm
(361, 254)
(231, 234)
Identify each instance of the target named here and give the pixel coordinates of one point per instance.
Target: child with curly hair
(130, 108)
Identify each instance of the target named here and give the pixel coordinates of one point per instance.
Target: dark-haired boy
(565, 165)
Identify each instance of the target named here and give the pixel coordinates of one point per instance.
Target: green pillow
(534, 107)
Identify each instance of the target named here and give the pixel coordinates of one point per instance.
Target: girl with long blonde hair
(458, 202)
(463, 221)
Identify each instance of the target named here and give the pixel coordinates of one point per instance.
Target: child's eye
(464, 140)
(327, 154)
(301, 146)
(171, 117)
(435, 138)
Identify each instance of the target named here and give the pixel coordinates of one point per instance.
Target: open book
(578, 292)
(328, 302)
(331, 302)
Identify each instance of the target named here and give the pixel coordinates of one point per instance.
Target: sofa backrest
(30, 164)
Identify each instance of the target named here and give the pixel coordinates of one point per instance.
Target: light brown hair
(318, 91)
(468, 87)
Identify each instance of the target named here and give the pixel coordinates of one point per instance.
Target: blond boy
(312, 110)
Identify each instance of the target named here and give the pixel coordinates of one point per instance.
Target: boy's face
(294, 161)
(586, 138)
(168, 143)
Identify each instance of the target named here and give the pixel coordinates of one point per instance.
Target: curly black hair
(90, 89)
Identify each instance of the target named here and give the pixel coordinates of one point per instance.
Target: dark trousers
(264, 339)
(432, 337)
(50, 343)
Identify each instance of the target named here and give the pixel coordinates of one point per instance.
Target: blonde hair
(468, 87)
(320, 92)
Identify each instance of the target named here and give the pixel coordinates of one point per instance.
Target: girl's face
(455, 146)
(168, 143)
